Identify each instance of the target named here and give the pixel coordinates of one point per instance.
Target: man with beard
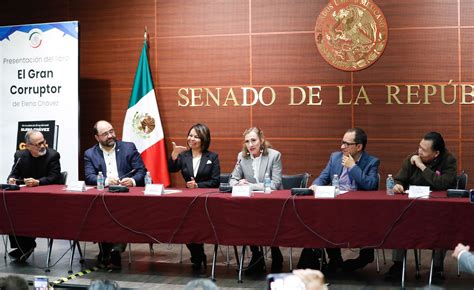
(34, 166)
(121, 164)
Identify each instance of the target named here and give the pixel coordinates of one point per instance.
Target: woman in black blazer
(200, 169)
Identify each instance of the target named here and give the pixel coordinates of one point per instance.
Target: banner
(39, 76)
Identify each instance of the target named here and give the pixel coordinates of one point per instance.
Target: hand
(313, 187)
(11, 180)
(192, 183)
(127, 181)
(398, 188)
(312, 279)
(416, 160)
(243, 181)
(348, 161)
(177, 150)
(460, 247)
(113, 181)
(31, 182)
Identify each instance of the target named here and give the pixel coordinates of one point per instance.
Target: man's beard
(42, 152)
(109, 142)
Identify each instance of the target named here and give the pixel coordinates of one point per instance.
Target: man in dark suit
(121, 164)
(357, 170)
(36, 165)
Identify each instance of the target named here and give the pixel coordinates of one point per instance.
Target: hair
(94, 128)
(204, 284)
(28, 135)
(204, 134)
(103, 285)
(438, 141)
(12, 282)
(360, 136)
(263, 147)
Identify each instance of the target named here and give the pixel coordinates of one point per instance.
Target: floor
(163, 269)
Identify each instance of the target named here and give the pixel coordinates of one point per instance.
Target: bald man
(34, 166)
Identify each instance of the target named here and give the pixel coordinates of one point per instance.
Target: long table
(355, 219)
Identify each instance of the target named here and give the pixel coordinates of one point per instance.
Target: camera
(284, 281)
(41, 283)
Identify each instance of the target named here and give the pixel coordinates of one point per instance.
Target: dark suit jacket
(208, 172)
(364, 173)
(127, 158)
(45, 168)
(440, 174)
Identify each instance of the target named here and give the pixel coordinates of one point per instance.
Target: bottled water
(335, 183)
(267, 184)
(100, 181)
(390, 184)
(148, 179)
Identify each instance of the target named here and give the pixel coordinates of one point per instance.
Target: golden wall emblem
(351, 34)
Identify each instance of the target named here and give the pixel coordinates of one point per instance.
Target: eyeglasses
(39, 144)
(347, 144)
(105, 134)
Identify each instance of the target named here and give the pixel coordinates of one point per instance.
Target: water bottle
(390, 184)
(100, 181)
(267, 184)
(148, 179)
(335, 183)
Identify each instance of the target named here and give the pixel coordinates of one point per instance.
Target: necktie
(345, 181)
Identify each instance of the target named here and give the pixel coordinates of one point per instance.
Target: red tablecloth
(355, 219)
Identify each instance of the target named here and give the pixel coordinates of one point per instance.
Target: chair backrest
(63, 177)
(295, 181)
(461, 182)
(224, 178)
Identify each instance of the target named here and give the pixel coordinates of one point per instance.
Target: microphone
(128, 173)
(8, 186)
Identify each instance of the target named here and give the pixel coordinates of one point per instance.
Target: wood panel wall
(258, 43)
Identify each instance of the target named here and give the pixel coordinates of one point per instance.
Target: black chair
(73, 244)
(295, 181)
(461, 182)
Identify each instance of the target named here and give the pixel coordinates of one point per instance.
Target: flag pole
(145, 35)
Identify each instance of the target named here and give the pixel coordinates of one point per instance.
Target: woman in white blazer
(256, 160)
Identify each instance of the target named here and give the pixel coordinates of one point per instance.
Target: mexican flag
(142, 124)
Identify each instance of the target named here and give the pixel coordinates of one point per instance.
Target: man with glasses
(357, 170)
(121, 164)
(36, 165)
(431, 165)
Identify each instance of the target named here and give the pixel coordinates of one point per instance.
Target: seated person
(357, 170)
(121, 164)
(200, 169)
(434, 166)
(256, 160)
(34, 166)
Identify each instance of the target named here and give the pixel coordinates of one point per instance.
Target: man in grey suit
(465, 258)
(255, 161)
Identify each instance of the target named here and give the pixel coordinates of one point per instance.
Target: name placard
(154, 189)
(77, 186)
(241, 190)
(416, 191)
(325, 192)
